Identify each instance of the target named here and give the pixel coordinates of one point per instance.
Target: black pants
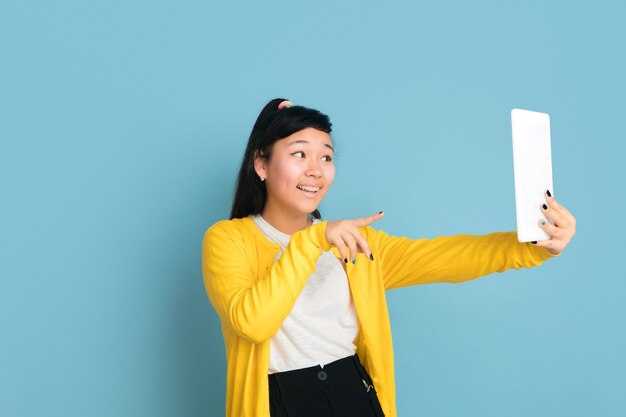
(342, 388)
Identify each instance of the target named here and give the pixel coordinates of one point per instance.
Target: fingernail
(371, 257)
(543, 222)
(345, 260)
(548, 192)
(534, 242)
(545, 207)
(354, 261)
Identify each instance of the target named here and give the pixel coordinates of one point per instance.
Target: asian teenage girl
(301, 300)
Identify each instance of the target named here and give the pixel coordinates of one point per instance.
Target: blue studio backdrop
(122, 126)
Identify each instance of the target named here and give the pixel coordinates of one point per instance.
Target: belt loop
(357, 363)
(362, 372)
(280, 389)
(279, 385)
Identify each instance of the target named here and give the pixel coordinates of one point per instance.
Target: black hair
(271, 125)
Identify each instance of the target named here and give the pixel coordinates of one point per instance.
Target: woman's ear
(260, 164)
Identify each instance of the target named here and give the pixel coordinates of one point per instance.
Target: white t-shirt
(322, 325)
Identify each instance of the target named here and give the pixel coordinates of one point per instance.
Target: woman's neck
(285, 223)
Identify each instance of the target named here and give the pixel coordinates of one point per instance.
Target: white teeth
(310, 189)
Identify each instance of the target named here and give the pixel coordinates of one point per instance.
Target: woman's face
(299, 173)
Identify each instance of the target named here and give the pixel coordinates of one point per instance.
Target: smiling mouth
(307, 189)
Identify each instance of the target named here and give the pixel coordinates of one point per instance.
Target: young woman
(302, 301)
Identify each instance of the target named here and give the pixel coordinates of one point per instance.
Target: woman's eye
(300, 154)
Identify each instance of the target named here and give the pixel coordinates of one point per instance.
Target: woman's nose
(314, 168)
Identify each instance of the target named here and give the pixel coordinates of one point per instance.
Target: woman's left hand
(563, 230)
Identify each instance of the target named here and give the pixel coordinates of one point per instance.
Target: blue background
(123, 123)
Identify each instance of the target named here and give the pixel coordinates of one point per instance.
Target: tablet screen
(532, 162)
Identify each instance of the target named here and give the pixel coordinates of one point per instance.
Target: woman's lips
(308, 190)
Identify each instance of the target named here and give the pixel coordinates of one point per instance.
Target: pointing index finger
(364, 221)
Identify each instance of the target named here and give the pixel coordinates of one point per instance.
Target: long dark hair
(271, 125)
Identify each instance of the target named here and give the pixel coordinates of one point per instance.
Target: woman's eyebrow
(307, 142)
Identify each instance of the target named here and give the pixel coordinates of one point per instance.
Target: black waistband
(339, 365)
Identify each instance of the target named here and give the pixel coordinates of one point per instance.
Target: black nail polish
(345, 260)
(548, 192)
(545, 207)
(371, 257)
(534, 242)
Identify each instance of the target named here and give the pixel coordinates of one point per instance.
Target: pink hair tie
(284, 104)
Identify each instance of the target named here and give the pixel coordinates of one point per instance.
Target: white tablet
(532, 163)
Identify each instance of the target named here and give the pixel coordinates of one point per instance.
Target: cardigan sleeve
(255, 306)
(452, 259)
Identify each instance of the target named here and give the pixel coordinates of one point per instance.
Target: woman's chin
(308, 208)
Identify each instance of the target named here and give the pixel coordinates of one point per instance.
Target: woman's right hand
(345, 235)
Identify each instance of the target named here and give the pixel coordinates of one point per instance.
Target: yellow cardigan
(253, 294)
